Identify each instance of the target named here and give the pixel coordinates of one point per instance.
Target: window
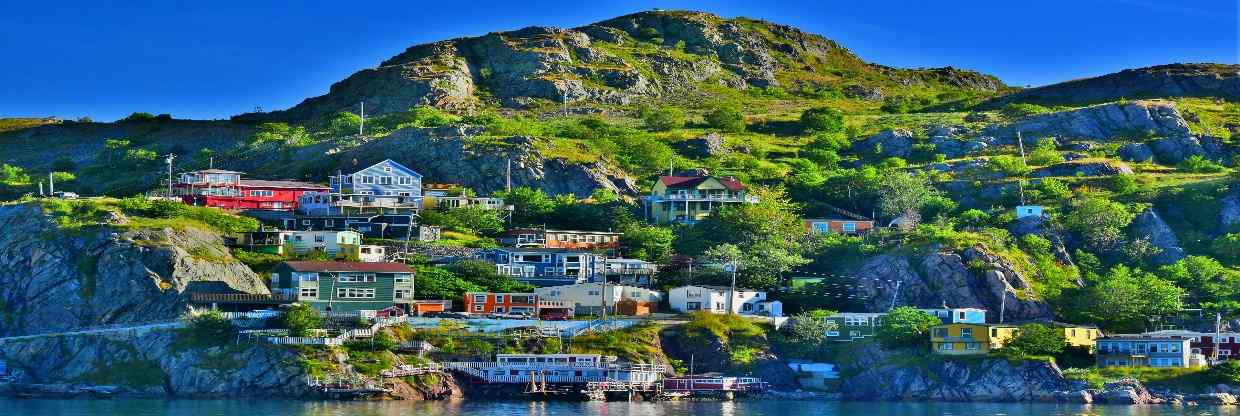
(850, 227)
(318, 238)
(499, 298)
(387, 168)
(940, 332)
(385, 180)
(477, 308)
(309, 277)
(593, 292)
(947, 346)
(368, 179)
(693, 306)
(746, 307)
(480, 298)
(405, 180)
(973, 346)
(329, 223)
(310, 292)
(355, 293)
(357, 278)
(266, 193)
(966, 332)
(404, 293)
(402, 278)
(305, 222)
(854, 334)
(404, 194)
(1224, 352)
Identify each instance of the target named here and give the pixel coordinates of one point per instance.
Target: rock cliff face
(642, 55)
(972, 278)
(1100, 122)
(151, 364)
(1175, 80)
(55, 279)
(876, 377)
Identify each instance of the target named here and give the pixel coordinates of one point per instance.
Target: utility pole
(732, 291)
(564, 94)
(1218, 323)
(362, 125)
(169, 160)
(51, 184)
(603, 292)
(1021, 143)
(508, 176)
(40, 188)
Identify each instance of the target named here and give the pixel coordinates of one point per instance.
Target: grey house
(385, 187)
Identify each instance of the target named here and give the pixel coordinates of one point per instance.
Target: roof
(692, 181)
(723, 288)
(1141, 337)
(541, 250)
(215, 171)
(554, 231)
(347, 266)
(281, 184)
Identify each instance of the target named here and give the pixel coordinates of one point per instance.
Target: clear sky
(213, 59)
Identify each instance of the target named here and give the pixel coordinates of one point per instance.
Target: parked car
(511, 315)
(65, 195)
(555, 316)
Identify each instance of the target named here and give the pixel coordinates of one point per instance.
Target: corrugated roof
(347, 266)
(692, 181)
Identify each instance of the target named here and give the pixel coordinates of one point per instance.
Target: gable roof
(693, 181)
(395, 164)
(722, 288)
(842, 214)
(347, 266)
(259, 183)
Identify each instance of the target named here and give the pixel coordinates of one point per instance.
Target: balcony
(379, 202)
(705, 197)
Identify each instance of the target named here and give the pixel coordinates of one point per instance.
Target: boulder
(890, 376)
(897, 143)
(1229, 213)
(863, 92)
(1126, 391)
(1150, 226)
(1173, 150)
(1213, 399)
(955, 148)
(1135, 152)
(707, 145)
(1100, 122)
(1085, 168)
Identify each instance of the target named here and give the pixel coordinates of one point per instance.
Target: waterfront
(134, 407)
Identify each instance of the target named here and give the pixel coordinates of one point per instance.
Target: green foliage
(1014, 111)
(898, 104)
(1227, 372)
(638, 344)
(281, 133)
(472, 219)
(904, 194)
(1045, 154)
(13, 176)
(1199, 164)
(1055, 190)
(164, 209)
(768, 232)
(210, 328)
(741, 338)
(1227, 247)
(1008, 165)
(906, 326)
(647, 242)
(483, 273)
(662, 118)
(974, 218)
(805, 335)
(1100, 221)
(822, 120)
(1208, 282)
(1124, 184)
(440, 283)
(343, 124)
(1037, 340)
(726, 117)
(1125, 299)
(300, 318)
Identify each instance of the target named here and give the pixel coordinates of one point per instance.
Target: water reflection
(256, 407)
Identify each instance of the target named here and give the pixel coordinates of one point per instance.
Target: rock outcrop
(1084, 168)
(1135, 152)
(587, 66)
(1173, 150)
(53, 278)
(1150, 226)
(155, 364)
(972, 278)
(877, 377)
(897, 143)
(710, 144)
(1100, 122)
(1174, 80)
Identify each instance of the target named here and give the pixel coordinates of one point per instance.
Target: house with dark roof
(838, 221)
(226, 189)
(688, 199)
(337, 286)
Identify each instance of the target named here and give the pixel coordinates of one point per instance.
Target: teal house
(338, 286)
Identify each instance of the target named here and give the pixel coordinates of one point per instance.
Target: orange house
(839, 221)
(488, 303)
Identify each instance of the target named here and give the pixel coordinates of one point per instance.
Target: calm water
(768, 408)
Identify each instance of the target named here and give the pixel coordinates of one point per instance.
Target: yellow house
(969, 339)
(1080, 336)
(688, 199)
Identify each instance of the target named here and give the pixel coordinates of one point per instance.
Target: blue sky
(106, 59)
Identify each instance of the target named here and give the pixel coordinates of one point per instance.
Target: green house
(338, 286)
(851, 326)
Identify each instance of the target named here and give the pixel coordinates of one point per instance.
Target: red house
(488, 303)
(225, 189)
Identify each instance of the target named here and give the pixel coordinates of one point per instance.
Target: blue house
(385, 187)
(546, 266)
(958, 315)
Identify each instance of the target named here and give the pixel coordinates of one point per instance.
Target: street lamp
(731, 267)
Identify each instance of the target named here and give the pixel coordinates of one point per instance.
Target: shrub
(1045, 154)
(1123, 184)
(300, 319)
(1009, 165)
(1227, 247)
(1037, 339)
(823, 120)
(974, 218)
(210, 328)
(1199, 164)
(662, 118)
(726, 117)
(906, 326)
(897, 104)
(1018, 110)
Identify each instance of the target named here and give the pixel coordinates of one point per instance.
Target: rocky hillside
(1174, 80)
(617, 61)
(56, 278)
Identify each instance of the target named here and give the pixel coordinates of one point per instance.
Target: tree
(1008, 165)
(726, 117)
(210, 327)
(474, 218)
(529, 206)
(810, 328)
(905, 326)
(647, 242)
(300, 318)
(822, 120)
(1017, 110)
(483, 273)
(663, 118)
(1100, 221)
(344, 123)
(1125, 299)
(440, 283)
(1045, 154)
(1227, 247)
(1037, 339)
(768, 232)
(903, 195)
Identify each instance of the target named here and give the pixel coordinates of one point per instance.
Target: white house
(715, 299)
(371, 253)
(330, 242)
(586, 297)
